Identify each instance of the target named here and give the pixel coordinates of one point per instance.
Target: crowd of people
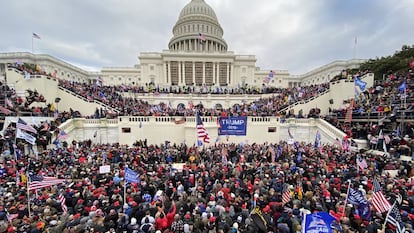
(220, 187)
(112, 96)
(385, 110)
(214, 188)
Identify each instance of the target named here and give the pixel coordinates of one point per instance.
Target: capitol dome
(197, 29)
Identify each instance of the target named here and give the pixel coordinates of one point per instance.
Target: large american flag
(21, 124)
(201, 130)
(379, 201)
(38, 182)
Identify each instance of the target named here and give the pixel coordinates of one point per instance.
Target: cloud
(297, 35)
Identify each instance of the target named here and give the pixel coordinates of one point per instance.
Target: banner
(104, 169)
(258, 219)
(319, 222)
(27, 137)
(233, 126)
(131, 176)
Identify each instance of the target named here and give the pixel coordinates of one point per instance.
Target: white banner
(27, 137)
(104, 169)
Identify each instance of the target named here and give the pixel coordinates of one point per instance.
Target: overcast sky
(296, 35)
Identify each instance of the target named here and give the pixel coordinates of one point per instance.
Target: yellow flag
(52, 107)
(23, 178)
(300, 192)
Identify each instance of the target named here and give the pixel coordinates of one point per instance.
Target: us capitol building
(197, 55)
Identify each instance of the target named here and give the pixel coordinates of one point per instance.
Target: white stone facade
(197, 56)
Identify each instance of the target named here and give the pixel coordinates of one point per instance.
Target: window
(152, 68)
(126, 130)
(271, 130)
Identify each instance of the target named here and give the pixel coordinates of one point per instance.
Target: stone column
(179, 73)
(231, 71)
(228, 74)
(214, 73)
(204, 72)
(193, 72)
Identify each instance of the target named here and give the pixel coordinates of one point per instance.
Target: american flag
(38, 182)
(394, 218)
(285, 194)
(21, 124)
(36, 36)
(201, 130)
(379, 202)
(62, 201)
(202, 37)
(63, 135)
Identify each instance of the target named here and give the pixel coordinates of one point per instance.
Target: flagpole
(125, 183)
(346, 199)
(28, 192)
(386, 218)
(196, 131)
(32, 44)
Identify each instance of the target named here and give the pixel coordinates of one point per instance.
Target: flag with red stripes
(201, 130)
(21, 124)
(285, 194)
(379, 201)
(38, 182)
(62, 201)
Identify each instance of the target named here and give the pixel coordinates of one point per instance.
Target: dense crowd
(214, 188)
(214, 191)
(112, 96)
(386, 109)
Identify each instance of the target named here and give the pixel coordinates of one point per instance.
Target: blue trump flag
(319, 222)
(361, 84)
(362, 208)
(131, 176)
